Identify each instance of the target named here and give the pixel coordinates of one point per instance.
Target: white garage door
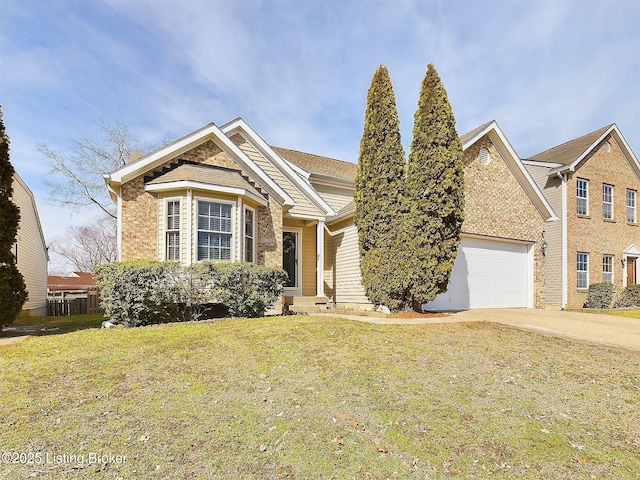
(487, 274)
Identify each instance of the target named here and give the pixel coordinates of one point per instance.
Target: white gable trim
(632, 250)
(495, 134)
(617, 135)
(239, 126)
(188, 142)
(535, 163)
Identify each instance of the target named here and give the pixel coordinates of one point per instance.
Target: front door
(290, 263)
(631, 270)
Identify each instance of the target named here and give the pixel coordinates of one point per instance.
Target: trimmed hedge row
(137, 292)
(630, 297)
(601, 295)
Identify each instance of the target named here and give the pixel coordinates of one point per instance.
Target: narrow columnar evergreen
(12, 288)
(379, 193)
(434, 195)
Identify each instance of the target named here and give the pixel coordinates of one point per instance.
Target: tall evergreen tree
(12, 288)
(378, 193)
(434, 194)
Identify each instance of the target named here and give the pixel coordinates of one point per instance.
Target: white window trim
(587, 270)
(253, 233)
(612, 257)
(586, 197)
(234, 232)
(635, 205)
(604, 185)
(165, 214)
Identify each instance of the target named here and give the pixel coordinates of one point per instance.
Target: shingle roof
(207, 174)
(570, 151)
(469, 135)
(317, 164)
(75, 281)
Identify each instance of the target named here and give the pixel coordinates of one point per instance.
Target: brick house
(223, 193)
(592, 183)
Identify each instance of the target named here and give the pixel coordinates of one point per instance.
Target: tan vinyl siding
(553, 236)
(552, 189)
(346, 267)
(31, 250)
(334, 196)
(309, 264)
(302, 205)
(328, 267)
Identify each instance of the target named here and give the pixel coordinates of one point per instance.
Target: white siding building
(30, 249)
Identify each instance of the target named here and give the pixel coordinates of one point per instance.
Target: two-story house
(592, 183)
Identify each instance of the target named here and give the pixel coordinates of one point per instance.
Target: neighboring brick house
(223, 193)
(592, 183)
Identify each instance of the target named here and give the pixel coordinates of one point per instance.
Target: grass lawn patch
(318, 397)
(621, 312)
(60, 325)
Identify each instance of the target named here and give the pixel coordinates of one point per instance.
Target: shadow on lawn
(43, 326)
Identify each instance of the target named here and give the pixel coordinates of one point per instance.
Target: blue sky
(298, 71)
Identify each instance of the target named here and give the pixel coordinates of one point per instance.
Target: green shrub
(630, 296)
(138, 293)
(132, 292)
(246, 289)
(600, 295)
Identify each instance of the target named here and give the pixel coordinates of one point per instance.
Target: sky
(298, 71)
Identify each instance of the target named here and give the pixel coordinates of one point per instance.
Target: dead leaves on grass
(347, 417)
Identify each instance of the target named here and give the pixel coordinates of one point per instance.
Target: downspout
(119, 227)
(563, 236)
(190, 240)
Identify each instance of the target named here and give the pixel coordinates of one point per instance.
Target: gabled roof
(173, 150)
(239, 126)
(569, 151)
(319, 165)
(495, 134)
(569, 154)
(473, 134)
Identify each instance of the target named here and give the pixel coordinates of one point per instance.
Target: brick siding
(141, 225)
(592, 234)
(496, 205)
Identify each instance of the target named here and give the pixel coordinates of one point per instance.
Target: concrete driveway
(600, 329)
(587, 327)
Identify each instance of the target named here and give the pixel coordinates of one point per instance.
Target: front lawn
(317, 397)
(59, 325)
(627, 312)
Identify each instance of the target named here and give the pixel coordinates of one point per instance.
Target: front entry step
(308, 304)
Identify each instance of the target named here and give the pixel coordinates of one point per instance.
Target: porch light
(543, 248)
(623, 260)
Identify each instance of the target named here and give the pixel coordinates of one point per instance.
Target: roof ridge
(312, 154)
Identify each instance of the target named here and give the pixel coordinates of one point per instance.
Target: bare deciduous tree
(76, 177)
(87, 246)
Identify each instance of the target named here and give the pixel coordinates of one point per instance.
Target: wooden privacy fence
(73, 303)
